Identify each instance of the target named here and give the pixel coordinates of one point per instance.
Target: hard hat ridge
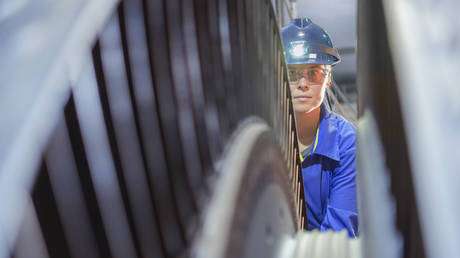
(301, 22)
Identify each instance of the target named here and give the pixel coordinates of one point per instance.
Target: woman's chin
(302, 109)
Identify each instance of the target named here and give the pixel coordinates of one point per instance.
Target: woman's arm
(341, 212)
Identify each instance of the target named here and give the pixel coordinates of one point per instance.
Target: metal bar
(167, 112)
(102, 170)
(225, 21)
(185, 116)
(84, 176)
(212, 71)
(30, 241)
(48, 217)
(290, 12)
(125, 140)
(67, 191)
(141, 84)
(192, 61)
(111, 135)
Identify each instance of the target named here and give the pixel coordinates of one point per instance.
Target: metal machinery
(408, 131)
(165, 129)
(149, 129)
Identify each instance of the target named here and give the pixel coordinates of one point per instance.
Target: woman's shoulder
(342, 124)
(345, 130)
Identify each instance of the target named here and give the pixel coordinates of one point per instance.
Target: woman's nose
(303, 83)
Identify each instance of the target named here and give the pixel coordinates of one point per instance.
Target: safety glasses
(312, 75)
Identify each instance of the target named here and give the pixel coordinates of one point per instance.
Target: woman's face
(308, 83)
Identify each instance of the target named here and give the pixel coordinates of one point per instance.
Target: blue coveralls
(329, 173)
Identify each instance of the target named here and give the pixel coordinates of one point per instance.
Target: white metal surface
(47, 41)
(424, 39)
(377, 210)
(216, 227)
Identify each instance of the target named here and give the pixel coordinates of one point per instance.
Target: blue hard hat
(307, 43)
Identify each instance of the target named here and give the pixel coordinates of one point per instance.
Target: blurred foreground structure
(165, 129)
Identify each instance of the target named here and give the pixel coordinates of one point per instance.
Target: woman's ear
(329, 79)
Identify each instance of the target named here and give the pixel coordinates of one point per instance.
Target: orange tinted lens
(294, 75)
(315, 75)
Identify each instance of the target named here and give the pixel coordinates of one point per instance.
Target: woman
(326, 140)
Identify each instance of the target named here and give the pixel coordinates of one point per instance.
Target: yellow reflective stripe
(314, 146)
(316, 139)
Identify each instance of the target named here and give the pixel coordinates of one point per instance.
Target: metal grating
(127, 166)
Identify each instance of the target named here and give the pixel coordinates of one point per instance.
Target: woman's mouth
(302, 98)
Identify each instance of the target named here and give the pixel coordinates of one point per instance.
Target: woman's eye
(293, 75)
(314, 75)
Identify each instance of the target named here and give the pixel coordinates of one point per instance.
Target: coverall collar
(328, 136)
